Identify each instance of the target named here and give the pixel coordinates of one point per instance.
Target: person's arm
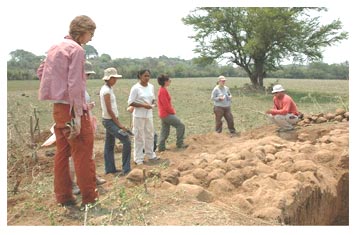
(286, 107)
(76, 82)
(229, 93)
(111, 113)
(165, 102)
(215, 95)
(39, 71)
(132, 97)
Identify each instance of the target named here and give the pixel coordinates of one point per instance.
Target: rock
(199, 173)
(340, 111)
(323, 156)
(268, 213)
(338, 118)
(329, 116)
(136, 176)
(304, 165)
(221, 186)
(196, 192)
(171, 177)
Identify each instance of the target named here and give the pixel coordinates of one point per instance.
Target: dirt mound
(268, 175)
(260, 177)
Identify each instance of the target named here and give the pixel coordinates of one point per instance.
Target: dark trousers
(225, 112)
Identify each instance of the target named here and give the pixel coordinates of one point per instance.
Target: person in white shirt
(142, 98)
(114, 128)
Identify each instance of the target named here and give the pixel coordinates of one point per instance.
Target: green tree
(258, 39)
(91, 52)
(23, 65)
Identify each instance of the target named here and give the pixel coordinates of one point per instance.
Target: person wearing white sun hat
(284, 113)
(114, 128)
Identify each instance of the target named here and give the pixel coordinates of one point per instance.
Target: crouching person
(284, 113)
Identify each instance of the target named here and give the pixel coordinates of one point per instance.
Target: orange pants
(81, 149)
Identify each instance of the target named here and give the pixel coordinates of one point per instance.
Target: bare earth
(261, 177)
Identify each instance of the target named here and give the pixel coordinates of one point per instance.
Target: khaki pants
(284, 121)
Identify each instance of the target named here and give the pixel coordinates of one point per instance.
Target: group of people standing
(63, 81)
(63, 76)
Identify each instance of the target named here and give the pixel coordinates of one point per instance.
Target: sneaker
(139, 163)
(99, 180)
(154, 159)
(75, 189)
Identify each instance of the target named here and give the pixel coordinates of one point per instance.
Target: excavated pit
(314, 207)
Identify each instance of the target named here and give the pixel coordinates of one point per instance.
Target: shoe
(154, 159)
(235, 134)
(139, 163)
(68, 203)
(112, 172)
(75, 189)
(162, 150)
(99, 180)
(184, 146)
(124, 173)
(284, 129)
(89, 205)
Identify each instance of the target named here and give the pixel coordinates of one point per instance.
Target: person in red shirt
(168, 116)
(284, 113)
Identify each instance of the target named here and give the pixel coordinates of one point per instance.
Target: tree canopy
(259, 39)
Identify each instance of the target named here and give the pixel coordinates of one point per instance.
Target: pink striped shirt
(62, 75)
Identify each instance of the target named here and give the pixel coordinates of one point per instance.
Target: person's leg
(109, 161)
(125, 140)
(218, 111)
(82, 153)
(229, 118)
(292, 119)
(138, 131)
(164, 134)
(72, 173)
(281, 121)
(149, 138)
(62, 179)
(174, 121)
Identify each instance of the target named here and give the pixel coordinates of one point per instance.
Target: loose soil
(261, 177)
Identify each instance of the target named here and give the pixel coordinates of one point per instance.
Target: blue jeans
(112, 132)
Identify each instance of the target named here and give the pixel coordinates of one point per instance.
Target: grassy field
(191, 99)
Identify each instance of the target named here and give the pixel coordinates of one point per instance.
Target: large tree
(259, 39)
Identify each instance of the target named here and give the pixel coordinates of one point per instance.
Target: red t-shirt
(164, 105)
(284, 106)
